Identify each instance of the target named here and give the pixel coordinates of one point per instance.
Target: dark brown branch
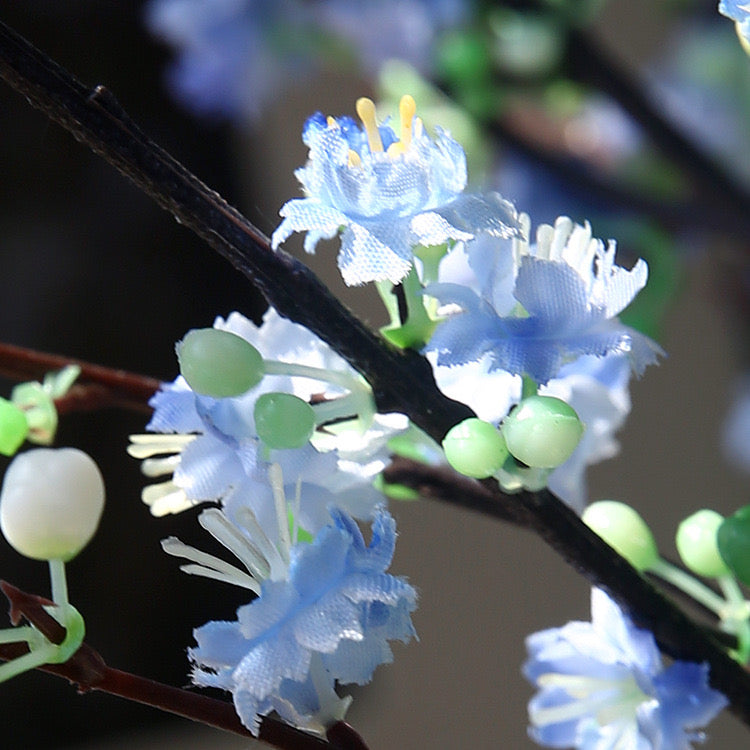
(444, 484)
(401, 381)
(97, 386)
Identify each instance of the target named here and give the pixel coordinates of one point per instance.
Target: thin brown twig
(87, 670)
(97, 386)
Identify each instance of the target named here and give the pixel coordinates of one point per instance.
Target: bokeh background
(89, 267)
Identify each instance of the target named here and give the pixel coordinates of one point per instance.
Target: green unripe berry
(542, 431)
(218, 363)
(733, 541)
(51, 502)
(475, 448)
(697, 545)
(283, 420)
(623, 529)
(14, 427)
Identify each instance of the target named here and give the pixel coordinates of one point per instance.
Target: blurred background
(89, 267)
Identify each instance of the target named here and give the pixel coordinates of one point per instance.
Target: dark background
(89, 267)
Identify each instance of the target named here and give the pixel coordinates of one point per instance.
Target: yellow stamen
(407, 108)
(366, 112)
(330, 121)
(354, 159)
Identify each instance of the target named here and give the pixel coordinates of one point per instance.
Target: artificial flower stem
(735, 617)
(350, 406)
(686, 583)
(41, 655)
(16, 635)
(529, 386)
(59, 583)
(292, 369)
(431, 257)
(411, 325)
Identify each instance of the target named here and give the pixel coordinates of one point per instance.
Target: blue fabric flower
(389, 193)
(603, 685)
(739, 12)
(542, 306)
(331, 619)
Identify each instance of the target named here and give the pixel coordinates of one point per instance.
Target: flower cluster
(602, 684)
(210, 450)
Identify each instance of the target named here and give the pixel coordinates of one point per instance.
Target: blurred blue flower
(330, 619)
(379, 30)
(388, 193)
(542, 306)
(603, 685)
(701, 79)
(233, 55)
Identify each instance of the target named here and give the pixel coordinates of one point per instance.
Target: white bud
(51, 502)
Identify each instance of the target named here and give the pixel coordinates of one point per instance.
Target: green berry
(733, 541)
(623, 529)
(14, 427)
(283, 420)
(542, 431)
(51, 502)
(475, 448)
(697, 544)
(218, 363)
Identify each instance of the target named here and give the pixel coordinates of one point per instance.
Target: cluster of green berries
(541, 432)
(709, 545)
(30, 413)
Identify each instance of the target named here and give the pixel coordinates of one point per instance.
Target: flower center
(407, 109)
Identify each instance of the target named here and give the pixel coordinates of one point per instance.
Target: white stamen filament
(277, 487)
(208, 566)
(145, 446)
(158, 467)
(245, 519)
(222, 529)
(165, 498)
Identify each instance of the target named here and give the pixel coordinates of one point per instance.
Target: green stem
(529, 387)
(335, 377)
(691, 586)
(59, 583)
(735, 617)
(415, 330)
(15, 635)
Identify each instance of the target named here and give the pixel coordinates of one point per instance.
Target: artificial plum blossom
(388, 192)
(541, 306)
(210, 451)
(330, 618)
(602, 684)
